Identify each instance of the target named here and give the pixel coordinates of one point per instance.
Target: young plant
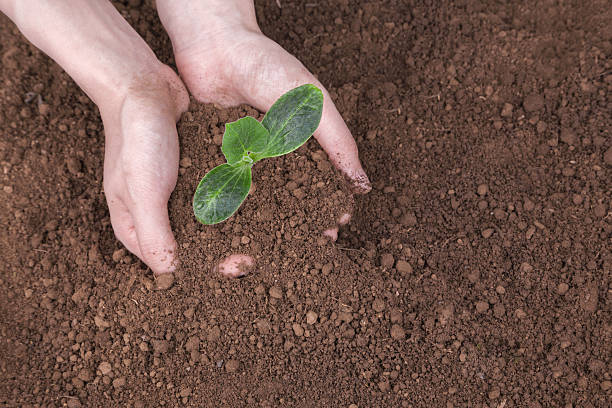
(288, 125)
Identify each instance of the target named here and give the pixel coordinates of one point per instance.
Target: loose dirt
(476, 273)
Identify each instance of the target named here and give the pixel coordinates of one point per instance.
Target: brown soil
(476, 273)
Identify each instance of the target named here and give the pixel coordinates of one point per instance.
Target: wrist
(190, 22)
(91, 41)
(160, 89)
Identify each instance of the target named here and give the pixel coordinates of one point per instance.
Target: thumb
(155, 238)
(336, 139)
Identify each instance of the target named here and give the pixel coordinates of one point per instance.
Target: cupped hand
(245, 66)
(141, 165)
(225, 59)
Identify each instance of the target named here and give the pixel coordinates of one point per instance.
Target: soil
(476, 272)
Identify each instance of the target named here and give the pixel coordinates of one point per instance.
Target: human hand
(141, 165)
(139, 99)
(225, 59)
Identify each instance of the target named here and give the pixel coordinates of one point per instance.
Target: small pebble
(507, 110)
(562, 288)
(185, 162)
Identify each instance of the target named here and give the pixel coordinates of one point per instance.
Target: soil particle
(520, 313)
(378, 305)
(397, 332)
(403, 267)
(482, 307)
(600, 210)
(276, 292)
(482, 190)
(486, 233)
(73, 403)
(507, 110)
(86, 375)
(387, 261)
(494, 393)
(192, 344)
(608, 156)
(562, 288)
(568, 136)
(105, 368)
(396, 316)
(231, 366)
(311, 317)
(160, 346)
(119, 382)
(164, 281)
(533, 103)
(590, 298)
(298, 330)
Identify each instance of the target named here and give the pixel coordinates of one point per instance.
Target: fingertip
(160, 257)
(359, 181)
(235, 266)
(331, 233)
(156, 240)
(336, 139)
(344, 219)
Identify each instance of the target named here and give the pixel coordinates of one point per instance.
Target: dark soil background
(475, 274)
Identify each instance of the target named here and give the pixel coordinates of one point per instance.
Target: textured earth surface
(476, 273)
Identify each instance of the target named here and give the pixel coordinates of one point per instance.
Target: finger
(336, 139)
(155, 238)
(123, 225)
(344, 219)
(333, 134)
(333, 232)
(235, 266)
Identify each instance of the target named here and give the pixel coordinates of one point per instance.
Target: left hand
(224, 58)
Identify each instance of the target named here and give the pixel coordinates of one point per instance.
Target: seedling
(288, 125)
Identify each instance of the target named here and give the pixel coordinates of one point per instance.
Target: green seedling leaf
(242, 138)
(292, 120)
(221, 192)
(288, 124)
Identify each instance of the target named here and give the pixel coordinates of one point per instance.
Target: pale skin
(222, 57)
